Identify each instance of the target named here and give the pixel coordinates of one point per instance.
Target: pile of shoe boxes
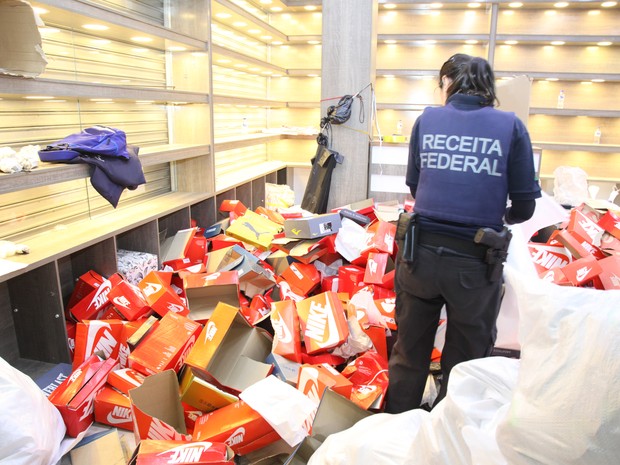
(583, 252)
(261, 293)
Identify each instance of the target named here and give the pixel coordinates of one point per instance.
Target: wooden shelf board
(60, 242)
(52, 173)
(247, 174)
(75, 89)
(570, 146)
(575, 112)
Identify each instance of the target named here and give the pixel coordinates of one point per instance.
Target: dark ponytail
(470, 76)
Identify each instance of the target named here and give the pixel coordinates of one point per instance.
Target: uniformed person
(466, 159)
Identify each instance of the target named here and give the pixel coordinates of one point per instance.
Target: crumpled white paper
(285, 408)
(350, 239)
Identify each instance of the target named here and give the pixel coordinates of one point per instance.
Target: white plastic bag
(570, 185)
(31, 429)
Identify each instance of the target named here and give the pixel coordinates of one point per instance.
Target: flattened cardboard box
(230, 352)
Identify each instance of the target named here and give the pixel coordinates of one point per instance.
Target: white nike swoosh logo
(332, 326)
(115, 420)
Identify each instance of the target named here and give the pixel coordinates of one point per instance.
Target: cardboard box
(177, 246)
(113, 408)
(157, 410)
(387, 309)
(546, 257)
(258, 310)
(286, 328)
(610, 222)
(104, 448)
(229, 352)
(128, 301)
(254, 229)
(166, 346)
(284, 369)
(97, 336)
(279, 261)
(205, 290)
(237, 425)
(152, 452)
(201, 394)
(53, 378)
(582, 270)
(311, 227)
(382, 239)
(156, 288)
(583, 227)
(75, 396)
(377, 266)
(95, 304)
(301, 277)
(254, 279)
(135, 265)
(323, 322)
(315, 379)
(350, 279)
(610, 274)
(125, 379)
(85, 284)
(334, 414)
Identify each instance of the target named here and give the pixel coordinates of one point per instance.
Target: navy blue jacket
(465, 161)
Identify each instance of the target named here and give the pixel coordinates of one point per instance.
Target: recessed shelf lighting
(48, 30)
(598, 80)
(176, 49)
(515, 5)
(560, 4)
(436, 5)
(277, 42)
(239, 24)
(594, 12)
(389, 6)
(266, 37)
(550, 12)
(608, 4)
(552, 79)
(604, 44)
(276, 9)
(253, 31)
(586, 83)
(100, 99)
(557, 42)
(511, 42)
(96, 27)
(142, 39)
(54, 100)
(389, 76)
(309, 7)
(38, 97)
(223, 15)
(389, 41)
(471, 42)
(40, 11)
(473, 5)
(314, 42)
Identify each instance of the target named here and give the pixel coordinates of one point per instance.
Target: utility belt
(488, 244)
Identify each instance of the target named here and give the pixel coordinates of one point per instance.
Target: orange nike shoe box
(546, 257)
(92, 336)
(95, 304)
(582, 270)
(301, 277)
(113, 408)
(159, 294)
(286, 328)
(75, 396)
(323, 322)
(229, 352)
(314, 379)
(125, 379)
(166, 346)
(153, 452)
(237, 425)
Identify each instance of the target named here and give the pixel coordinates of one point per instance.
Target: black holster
(405, 236)
(497, 252)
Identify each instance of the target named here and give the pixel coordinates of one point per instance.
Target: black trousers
(435, 277)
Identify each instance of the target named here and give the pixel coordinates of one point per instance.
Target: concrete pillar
(348, 67)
